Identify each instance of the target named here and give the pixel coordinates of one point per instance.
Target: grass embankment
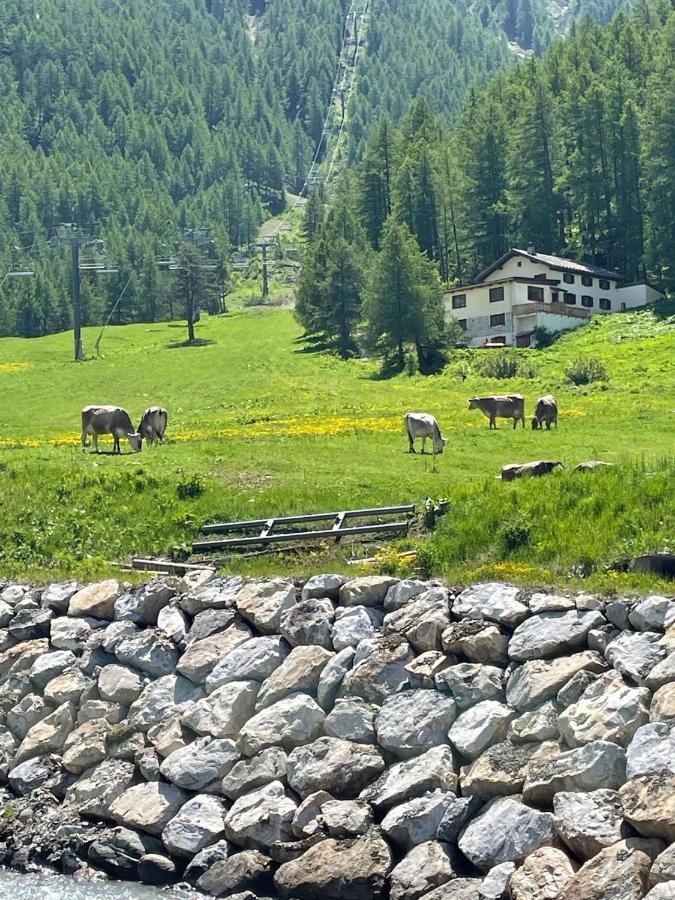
(259, 427)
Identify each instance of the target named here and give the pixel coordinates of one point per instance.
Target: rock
(112, 636)
(478, 640)
(48, 735)
(253, 660)
(539, 680)
(6, 614)
(540, 603)
(479, 727)
(354, 624)
(599, 638)
(207, 592)
(86, 746)
(202, 656)
(457, 889)
(469, 683)
(248, 870)
(332, 676)
(663, 705)
(500, 770)
(263, 603)
(205, 859)
(224, 712)
(653, 613)
(575, 688)
(247, 774)
(169, 735)
(599, 764)
(619, 872)
(209, 622)
(96, 600)
(352, 720)
(346, 818)
(30, 624)
(417, 820)
(173, 622)
(7, 750)
(118, 684)
(260, 818)
(423, 669)
(412, 722)
(330, 764)
(292, 722)
(367, 591)
(323, 586)
(608, 710)
(199, 764)
(306, 820)
(151, 651)
(154, 868)
(505, 831)
(662, 673)
(618, 611)
(30, 710)
(21, 657)
(458, 812)
(539, 724)
(401, 594)
(309, 622)
(148, 807)
(422, 621)
(299, 672)
(426, 867)
(663, 867)
(199, 822)
(405, 780)
(94, 792)
(66, 688)
(635, 655)
(552, 634)
(651, 751)
(163, 698)
(29, 775)
(57, 597)
(337, 870)
(69, 634)
(543, 875)
(126, 744)
(664, 891)
(100, 709)
(648, 803)
(493, 601)
(143, 604)
(118, 850)
(49, 665)
(588, 822)
(148, 763)
(493, 886)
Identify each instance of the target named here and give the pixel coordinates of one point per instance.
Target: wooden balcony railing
(557, 309)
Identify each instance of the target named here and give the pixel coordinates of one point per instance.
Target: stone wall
(347, 739)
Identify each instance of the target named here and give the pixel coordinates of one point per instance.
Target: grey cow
(418, 424)
(153, 424)
(97, 420)
(509, 406)
(531, 469)
(546, 411)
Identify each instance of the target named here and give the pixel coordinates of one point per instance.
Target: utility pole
(266, 285)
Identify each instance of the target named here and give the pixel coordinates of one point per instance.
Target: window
(535, 293)
(587, 281)
(459, 301)
(604, 284)
(519, 263)
(499, 319)
(571, 299)
(567, 278)
(496, 294)
(586, 300)
(554, 296)
(462, 324)
(623, 306)
(605, 304)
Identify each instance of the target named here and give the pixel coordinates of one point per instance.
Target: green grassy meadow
(259, 427)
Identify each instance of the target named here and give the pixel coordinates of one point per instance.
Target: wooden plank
(224, 527)
(223, 544)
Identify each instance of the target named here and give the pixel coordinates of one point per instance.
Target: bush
(543, 337)
(505, 364)
(193, 486)
(585, 369)
(515, 533)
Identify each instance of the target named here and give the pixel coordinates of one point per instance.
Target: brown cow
(510, 406)
(531, 469)
(546, 411)
(153, 424)
(97, 420)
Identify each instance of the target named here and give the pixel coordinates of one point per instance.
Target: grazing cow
(425, 426)
(591, 465)
(546, 411)
(153, 424)
(511, 406)
(97, 420)
(530, 470)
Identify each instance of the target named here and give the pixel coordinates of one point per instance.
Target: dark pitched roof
(554, 262)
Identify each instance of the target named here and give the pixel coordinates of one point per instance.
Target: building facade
(524, 290)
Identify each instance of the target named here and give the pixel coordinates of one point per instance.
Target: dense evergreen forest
(575, 152)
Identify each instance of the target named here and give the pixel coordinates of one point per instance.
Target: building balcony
(556, 309)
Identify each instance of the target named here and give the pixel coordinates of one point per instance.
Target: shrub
(498, 364)
(586, 369)
(515, 533)
(544, 337)
(193, 486)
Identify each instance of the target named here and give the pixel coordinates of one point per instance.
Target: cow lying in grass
(530, 470)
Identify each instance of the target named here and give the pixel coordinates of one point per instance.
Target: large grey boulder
(309, 622)
(49, 665)
(29, 775)
(20, 657)
(261, 818)
(47, 735)
(119, 684)
(662, 673)
(299, 672)
(207, 592)
(426, 867)
(422, 621)
(161, 699)
(208, 622)
(307, 820)
(599, 764)
(224, 712)
(174, 623)
(119, 850)
(346, 818)
(200, 764)
(143, 604)
(381, 673)
(201, 656)
(199, 822)
(495, 883)
(539, 680)
(341, 768)
(663, 867)
(151, 651)
(109, 638)
(402, 781)
(479, 641)
(94, 792)
(553, 633)
(608, 710)
(470, 683)
(289, 723)
(322, 586)
(588, 822)
(619, 872)
(480, 726)
(648, 803)
(458, 812)
(540, 724)
(148, 807)
(30, 624)
(367, 591)
(423, 670)
(57, 596)
(652, 750)
(501, 769)
(662, 708)
(417, 821)
(96, 600)
(505, 831)
(332, 676)
(253, 660)
(86, 746)
(653, 613)
(352, 720)
(354, 624)
(412, 722)
(30, 710)
(263, 603)
(205, 859)
(402, 593)
(493, 601)
(247, 774)
(337, 870)
(635, 655)
(69, 634)
(69, 687)
(237, 876)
